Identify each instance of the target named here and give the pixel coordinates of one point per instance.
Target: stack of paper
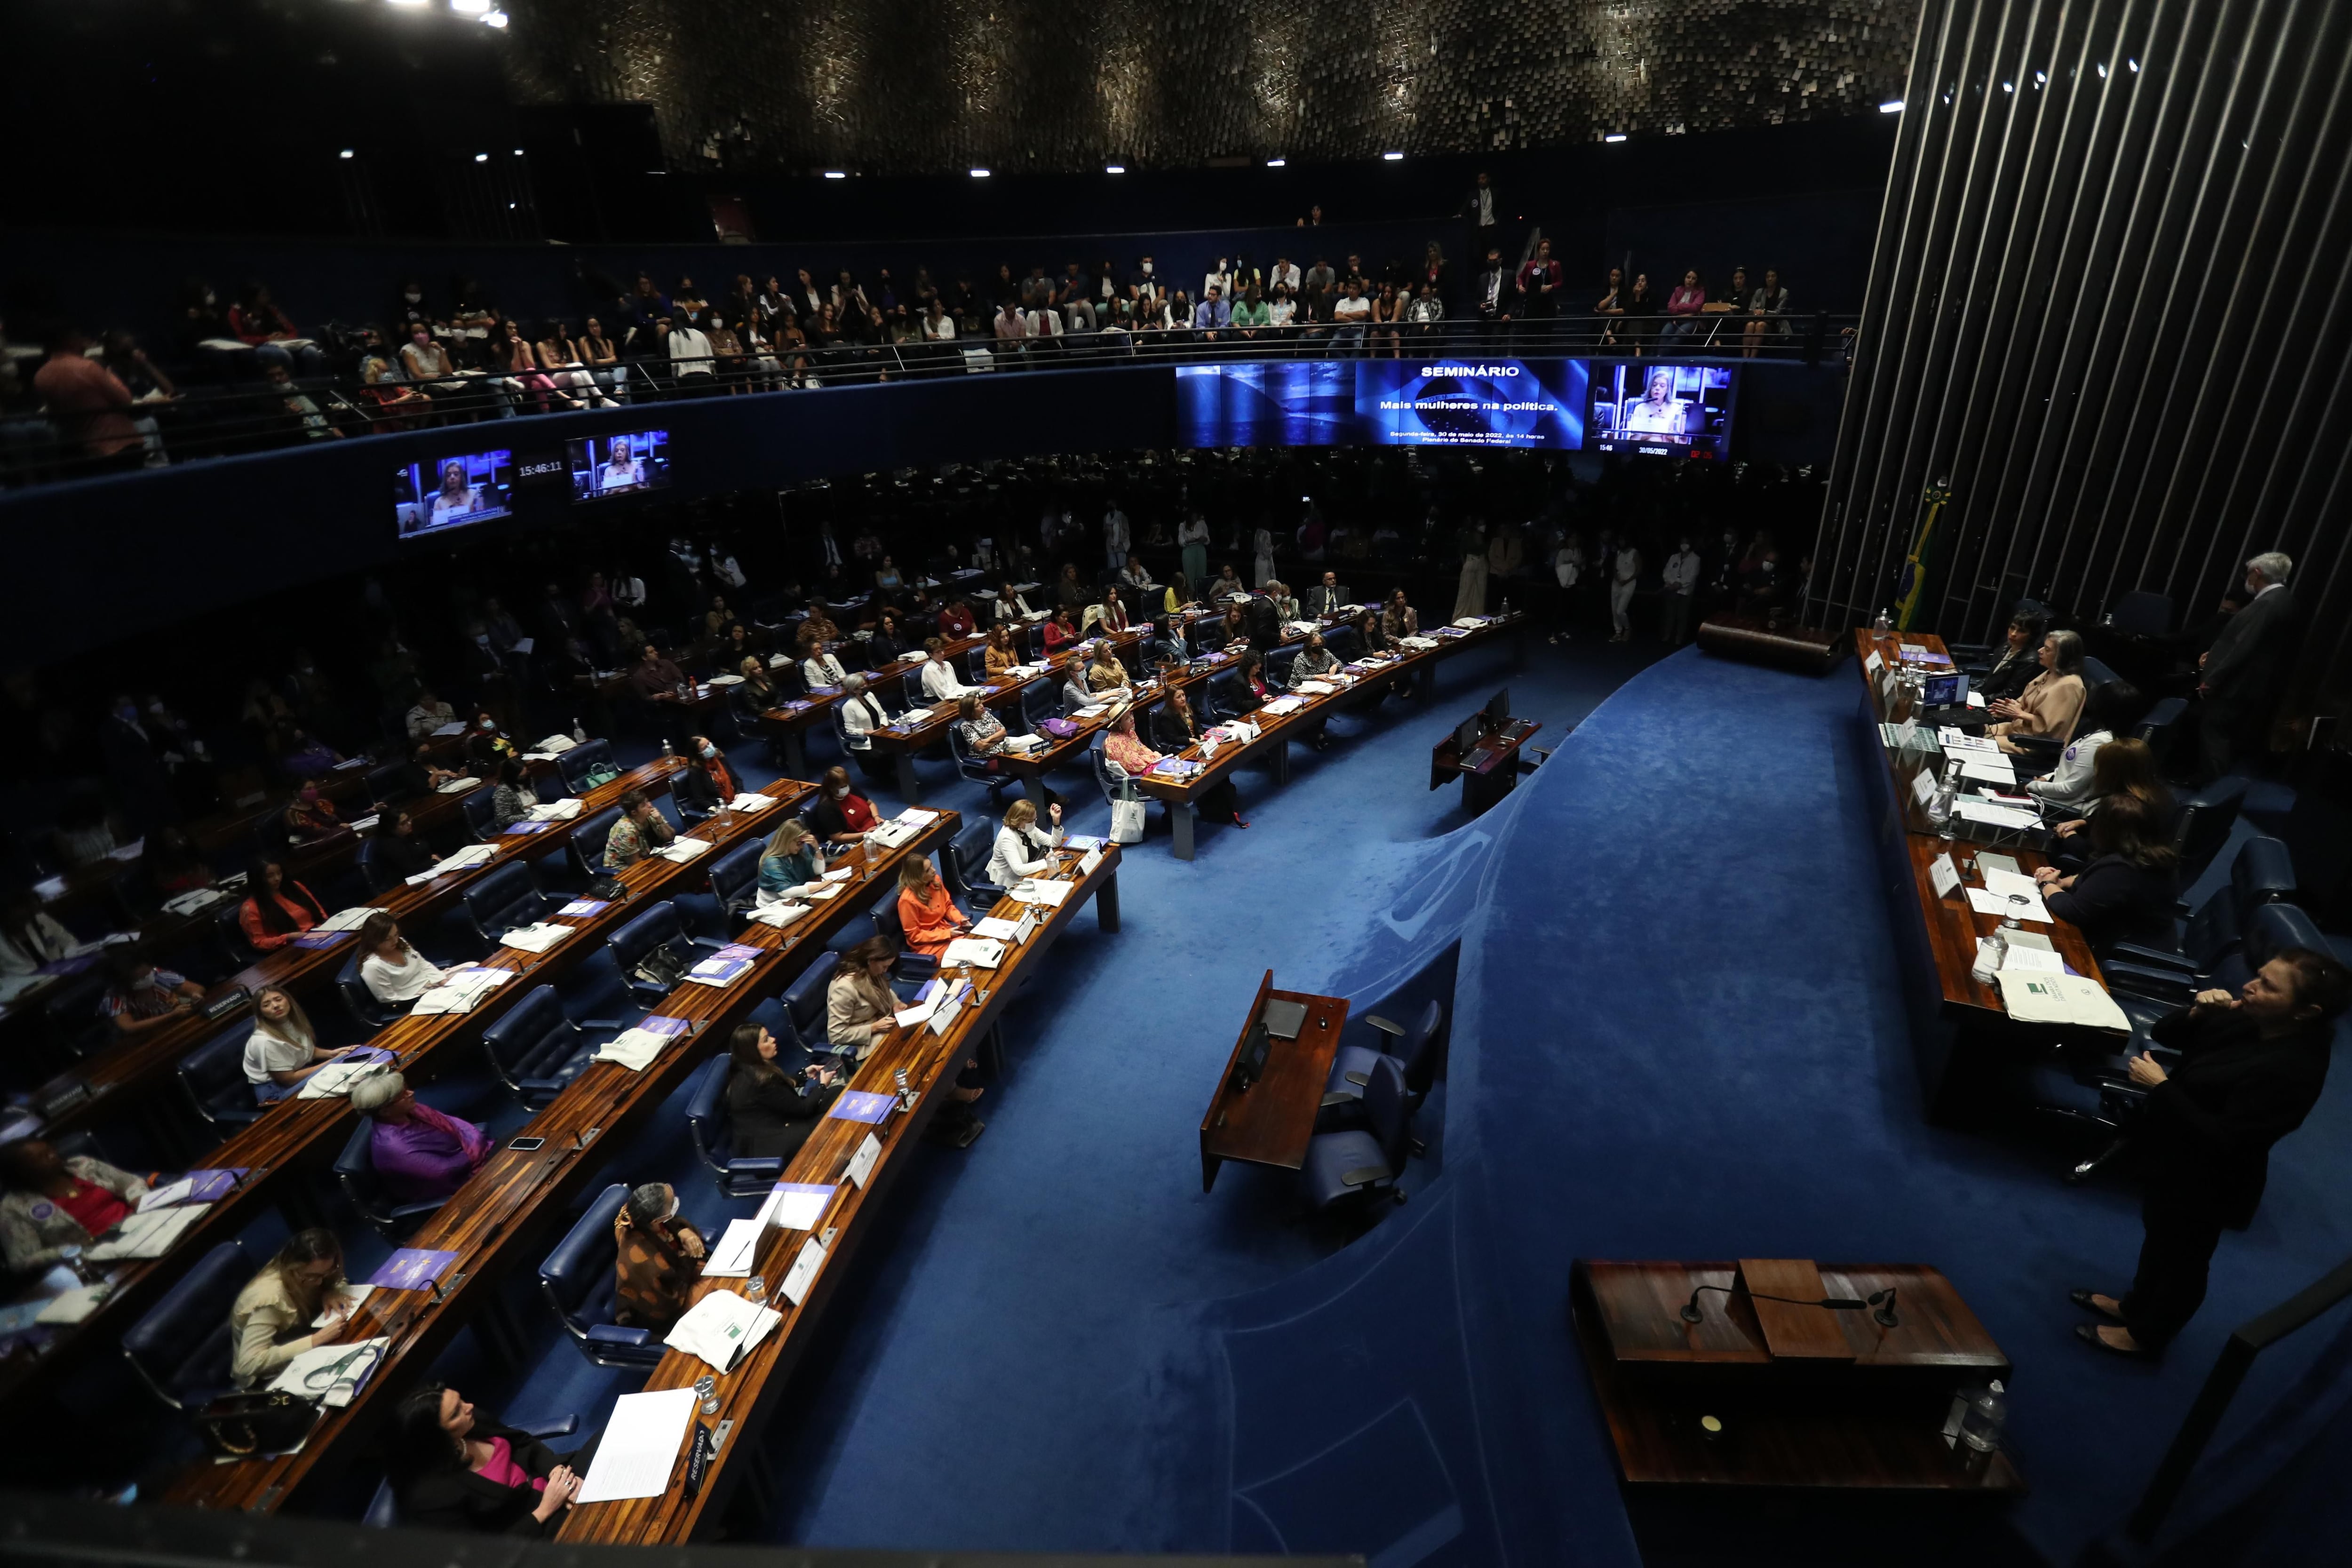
(1049, 894)
(346, 920)
(539, 936)
(640, 1446)
(731, 1256)
(2034, 998)
(460, 990)
(458, 786)
(890, 834)
(779, 915)
(1990, 904)
(749, 802)
(1471, 623)
(338, 1076)
(555, 745)
(1092, 710)
(721, 1328)
(795, 1205)
(1994, 769)
(1316, 688)
(634, 1048)
(996, 928)
(1993, 815)
(331, 1373)
(562, 810)
(148, 1235)
(1954, 739)
(461, 859)
(189, 903)
(1421, 643)
(75, 1305)
(980, 952)
(1026, 742)
(725, 966)
(1282, 705)
(685, 849)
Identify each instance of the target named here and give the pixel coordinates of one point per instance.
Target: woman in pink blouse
(1683, 305)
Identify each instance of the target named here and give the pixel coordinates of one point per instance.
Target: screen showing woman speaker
(603, 465)
(1661, 410)
(450, 492)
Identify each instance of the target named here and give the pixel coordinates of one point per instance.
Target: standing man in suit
(1483, 210)
(1491, 293)
(2238, 678)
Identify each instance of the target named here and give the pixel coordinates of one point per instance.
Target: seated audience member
(928, 915)
(940, 683)
(487, 746)
(956, 620)
(1023, 848)
(1135, 574)
(657, 1257)
(1165, 645)
(1106, 674)
(276, 908)
(860, 1011)
(888, 639)
(1314, 662)
(139, 996)
(420, 1154)
(1218, 802)
(283, 1049)
(841, 814)
(707, 781)
(1368, 633)
(1107, 615)
(2051, 701)
(55, 1206)
(429, 713)
(422, 774)
(2068, 786)
(1010, 605)
(1070, 592)
(400, 849)
(512, 798)
(793, 863)
(311, 817)
(269, 1321)
(1233, 632)
(2126, 892)
(820, 668)
(88, 403)
(1254, 679)
(1075, 692)
(1000, 655)
(1323, 598)
(641, 830)
(1059, 633)
(1399, 619)
(2017, 663)
(2122, 768)
(30, 936)
(1174, 600)
(656, 679)
(862, 713)
(453, 1471)
(391, 969)
(983, 732)
(1228, 583)
(1284, 602)
(173, 865)
(770, 1111)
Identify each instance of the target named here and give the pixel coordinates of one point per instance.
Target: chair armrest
(557, 1426)
(916, 966)
(1336, 1097)
(764, 1165)
(2157, 985)
(1365, 1176)
(586, 1024)
(2135, 952)
(614, 1334)
(706, 941)
(410, 1211)
(1385, 1026)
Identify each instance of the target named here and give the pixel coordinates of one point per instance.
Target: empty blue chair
(2262, 873)
(1277, 666)
(213, 1077)
(975, 666)
(587, 843)
(2161, 730)
(2206, 815)
(355, 1173)
(1357, 1162)
(536, 1051)
(965, 865)
(910, 687)
(2141, 614)
(1040, 700)
(977, 768)
(574, 766)
(379, 877)
(181, 1348)
(507, 896)
(1414, 1050)
(596, 995)
(577, 1280)
(657, 926)
(735, 877)
(478, 808)
(805, 998)
(359, 1000)
(1339, 642)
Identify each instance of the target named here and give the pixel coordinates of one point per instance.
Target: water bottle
(666, 748)
(1507, 605)
(905, 1090)
(579, 732)
(2017, 907)
(1883, 625)
(1980, 1423)
(1939, 807)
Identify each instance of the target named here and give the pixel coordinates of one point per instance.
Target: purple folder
(319, 939)
(211, 1185)
(413, 1269)
(522, 828)
(664, 1025)
(581, 909)
(857, 1105)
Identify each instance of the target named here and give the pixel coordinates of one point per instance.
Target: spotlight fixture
(1391, 157)
(481, 157)
(1892, 106)
(2103, 68)
(518, 152)
(1277, 162)
(2134, 66)
(495, 19)
(980, 174)
(1614, 136)
(1114, 168)
(344, 153)
(2039, 79)
(2008, 87)
(836, 174)
(410, 4)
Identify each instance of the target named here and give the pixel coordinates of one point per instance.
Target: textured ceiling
(922, 86)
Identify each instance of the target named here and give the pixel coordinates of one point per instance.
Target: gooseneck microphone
(1882, 1301)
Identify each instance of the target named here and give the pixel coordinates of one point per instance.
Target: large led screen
(1384, 402)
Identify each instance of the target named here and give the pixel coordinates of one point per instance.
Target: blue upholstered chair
(586, 845)
(384, 1509)
(2207, 815)
(478, 808)
(1413, 1048)
(355, 1173)
(181, 1348)
(2262, 873)
(507, 896)
(656, 926)
(965, 864)
(373, 1016)
(976, 768)
(577, 1280)
(1350, 1165)
(805, 998)
(213, 1077)
(575, 765)
(536, 1051)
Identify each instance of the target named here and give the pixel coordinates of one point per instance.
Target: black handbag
(661, 969)
(239, 1426)
(610, 888)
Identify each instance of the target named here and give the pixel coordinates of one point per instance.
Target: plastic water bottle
(666, 748)
(1506, 607)
(1982, 1423)
(1939, 807)
(579, 732)
(905, 1090)
(1883, 625)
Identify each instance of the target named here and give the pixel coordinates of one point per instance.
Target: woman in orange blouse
(928, 915)
(277, 910)
(1000, 655)
(2051, 702)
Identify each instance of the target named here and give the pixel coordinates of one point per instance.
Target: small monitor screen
(1661, 410)
(450, 492)
(1470, 731)
(1945, 691)
(619, 465)
(1499, 706)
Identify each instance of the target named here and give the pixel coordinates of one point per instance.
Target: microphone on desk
(1882, 1301)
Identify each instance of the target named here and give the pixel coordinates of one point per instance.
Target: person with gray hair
(862, 713)
(2051, 702)
(420, 1155)
(2237, 680)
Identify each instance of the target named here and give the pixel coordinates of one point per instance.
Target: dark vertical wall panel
(2107, 311)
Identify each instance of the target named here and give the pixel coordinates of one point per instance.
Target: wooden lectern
(1785, 1394)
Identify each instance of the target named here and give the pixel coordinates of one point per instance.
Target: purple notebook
(413, 1269)
(319, 939)
(581, 909)
(522, 828)
(214, 1184)
(857, 1105)
(664, 1025)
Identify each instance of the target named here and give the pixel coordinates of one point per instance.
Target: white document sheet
(685, 849)
(2023, 960)
(640, 1446)
(2007, 882)
(149, 1234)
(165, 1197)
(1052, 894)
(538, 936)
(796, 1210)
(779, 915)
(1994, 816)
(995, 928)
(721, 1329)
(751, 802)
(731, 1257)
(979, 952)
(1991, 770)
(1990, 903)
(2060, 999)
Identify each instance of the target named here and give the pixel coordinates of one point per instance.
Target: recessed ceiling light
(980, 174)
(1114, 168)
(1614, 136)
(1277, 162)
(469, 7)
(1892, 106)
(344, 153)
(481, 157)
(1391, 157)
(495, 19)
(836, 174)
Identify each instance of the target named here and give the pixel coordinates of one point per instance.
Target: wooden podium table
(1802, 1395)
(1488, 771)
(1270, 1122)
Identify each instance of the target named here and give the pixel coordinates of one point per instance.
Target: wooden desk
(507, 1213)
(294, 1134)
(1808, 650)
(1808, 1398)
(1491, 769)
(752, 1393)
(1272, 1120)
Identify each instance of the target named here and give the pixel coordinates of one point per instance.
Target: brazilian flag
(1926, 558)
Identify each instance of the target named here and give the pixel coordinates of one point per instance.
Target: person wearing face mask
(2238, 678)
(310, 817)
(486, 747)
(1679, 585)
(657, 1258)
(841, 815)
(707, 783)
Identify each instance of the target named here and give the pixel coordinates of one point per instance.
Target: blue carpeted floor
(1677, 1036)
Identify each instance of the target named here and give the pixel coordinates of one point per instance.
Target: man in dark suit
(2238, 678)
(1323, 598)
(1264, 623)
(2250, 1068)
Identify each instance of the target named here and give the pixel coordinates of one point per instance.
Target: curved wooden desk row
(118, 1077)
(507, 1214)
(294, 1134)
